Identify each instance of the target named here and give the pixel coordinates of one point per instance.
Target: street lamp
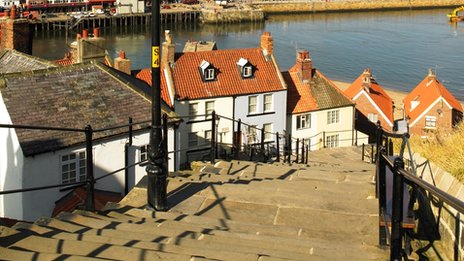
(157, 166)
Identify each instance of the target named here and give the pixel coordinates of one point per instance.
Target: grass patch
(445, 150)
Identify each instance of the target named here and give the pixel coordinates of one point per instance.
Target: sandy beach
(397, 97)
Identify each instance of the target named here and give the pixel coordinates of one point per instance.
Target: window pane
(64, 168)
(72, 174)
(72, 166)
(72, 156)
(65, 158)
(81, 155)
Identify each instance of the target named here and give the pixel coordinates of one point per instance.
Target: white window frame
(431, 122)
(207, 136)
(208, 110)
(253, 105)
(193, 110)
(303, 121)
(143, 153)
(247, 71)
(267, 104)
(333, 116)
(373, 117)
(78, 161)
(267, 131)
(192, 139)
(209, 74)
(331, 141)
(251, 134)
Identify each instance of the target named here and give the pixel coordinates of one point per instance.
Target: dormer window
(245, 68)
(207, 71)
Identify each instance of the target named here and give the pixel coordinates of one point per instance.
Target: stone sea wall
(231, 15)
(354, 5)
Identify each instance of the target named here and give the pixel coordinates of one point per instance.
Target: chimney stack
(431, 74)
(122, 64)
(266, 43)
(15, 33)
(13, 12)
(304, 65)
(96, 32)
(168, 50)
(366, 79)
(85, 33)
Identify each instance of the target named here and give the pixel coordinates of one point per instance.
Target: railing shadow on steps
(393, 205)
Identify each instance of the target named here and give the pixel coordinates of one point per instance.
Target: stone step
(142, 243)
(91, 249)
(16, 254)
(226, 241)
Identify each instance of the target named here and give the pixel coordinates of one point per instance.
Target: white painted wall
(11, 165)
(44, 169)
(278, 118)
(344, 128)
(223, 106)
(129, 6)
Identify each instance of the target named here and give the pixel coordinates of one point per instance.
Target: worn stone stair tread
(92, 249)
(142, 243)
(17, 254)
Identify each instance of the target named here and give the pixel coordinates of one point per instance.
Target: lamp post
(157, 167)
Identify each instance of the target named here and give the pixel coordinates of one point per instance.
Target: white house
(69, 97)
(243, 84)
(129, 6)
(7, 4)
(318, 111)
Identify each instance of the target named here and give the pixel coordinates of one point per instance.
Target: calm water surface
(399, 46)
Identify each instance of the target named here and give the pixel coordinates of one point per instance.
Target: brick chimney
(431, 75)
(366, 80)
(15, 33)
(122, 64)
(304, 66)
(168, 52)
(266, 43)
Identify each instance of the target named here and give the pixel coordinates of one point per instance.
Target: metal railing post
(213, 138)
(372, 153)
(165, 138)
(278, 146)
(381, 194)
(302, 151)
(297, 149)
(307, 153)
(126, 159)
(397, 211)
(379, 134)
(362, 155)
(262, 145)
(238, 145)
(289, 146)
(90, 199)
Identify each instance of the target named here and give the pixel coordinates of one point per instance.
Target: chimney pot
(78, 36)
(431, 73)
(85, 33)
(96, 32)
(6, 13)
(304, 65)
(122, 54)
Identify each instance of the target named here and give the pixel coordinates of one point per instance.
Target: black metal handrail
(400, 178)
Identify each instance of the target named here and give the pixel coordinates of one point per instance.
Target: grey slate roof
(326, 95)
(71, 97)
(12, 61)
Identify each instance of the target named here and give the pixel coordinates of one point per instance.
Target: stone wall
(231, 16)
(354, 5)
(451, 224)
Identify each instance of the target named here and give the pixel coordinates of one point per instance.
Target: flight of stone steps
(233, 210)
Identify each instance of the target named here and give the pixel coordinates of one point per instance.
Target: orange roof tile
(320, 93)
(299, 97)
(145, 75)
(64, 62)
(425, 93)
(376, 93)
(189, 84)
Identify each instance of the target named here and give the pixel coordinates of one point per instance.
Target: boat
(454, 16)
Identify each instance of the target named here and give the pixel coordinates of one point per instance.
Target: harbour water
(399, 46)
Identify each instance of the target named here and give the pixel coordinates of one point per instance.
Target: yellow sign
(155, 59)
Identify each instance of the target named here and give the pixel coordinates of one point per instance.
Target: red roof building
(373, 104)
(431, 106)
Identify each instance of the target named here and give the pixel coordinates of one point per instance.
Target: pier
(63, 21)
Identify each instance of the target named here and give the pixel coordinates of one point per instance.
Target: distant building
(243, 84)
(373, 105)
(69, 97)
(317, 111)
(430, 106)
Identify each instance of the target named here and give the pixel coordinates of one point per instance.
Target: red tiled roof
(299, 97)
(426, 92)
(64, 62)
(145, 75)
(189, 84)
(376, 93)
(76, 197)
(319, 94)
